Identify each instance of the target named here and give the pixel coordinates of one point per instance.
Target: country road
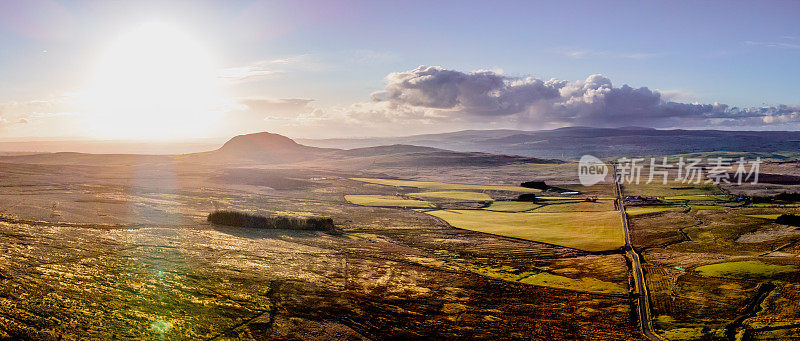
(641, 286)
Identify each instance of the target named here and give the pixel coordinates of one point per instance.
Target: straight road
(641, 286)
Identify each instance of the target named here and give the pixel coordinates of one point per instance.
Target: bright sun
(154, 82)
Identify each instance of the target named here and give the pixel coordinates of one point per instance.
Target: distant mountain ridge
(263, 149)
(273, 148)
(573, 142)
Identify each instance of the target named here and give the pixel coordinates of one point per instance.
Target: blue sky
(338, 53)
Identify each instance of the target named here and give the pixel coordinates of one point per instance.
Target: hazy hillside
(573, 142)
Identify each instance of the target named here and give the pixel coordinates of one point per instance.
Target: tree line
(242, 219)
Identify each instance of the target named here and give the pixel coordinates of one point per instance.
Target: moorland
(433, 244)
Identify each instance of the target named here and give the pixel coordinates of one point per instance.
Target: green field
(707, 207)
(511, 206)
(698, 197)
(453, 195)
(672, 188)
(386, 201)
(764, 216)
(441, 186)
(589, 284)
(752, 268)
(650, 209)
(546, 279)
(638, 210)
(590, 231)
(577, 206)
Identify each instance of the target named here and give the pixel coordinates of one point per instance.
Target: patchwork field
(450, 245)
(714, 263)
(137, 240)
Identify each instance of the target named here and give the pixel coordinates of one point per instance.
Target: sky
(169, 70)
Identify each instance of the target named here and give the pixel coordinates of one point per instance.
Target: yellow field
(386, 201)
(454, 195)
(511, 206)
(590, 231)
(441, 186)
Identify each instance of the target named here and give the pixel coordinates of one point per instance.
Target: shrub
(526, 197)
(788, 219)
(241, 219)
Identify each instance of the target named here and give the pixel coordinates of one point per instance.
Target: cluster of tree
(241, 219)
(527, 197)
(785, 196)
(535, 184)
(788, 219)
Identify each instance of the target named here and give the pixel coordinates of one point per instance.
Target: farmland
(710, 258)
(456, 246)
(563, 221)
(180, 277)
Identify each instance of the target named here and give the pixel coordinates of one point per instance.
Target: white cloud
(775, 44)
(579, 53)
(373, 57)
(268, 68)
(485, 96)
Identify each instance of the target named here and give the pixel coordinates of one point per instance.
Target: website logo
(591, 170)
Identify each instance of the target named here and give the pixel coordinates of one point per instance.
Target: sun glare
(154, 82)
